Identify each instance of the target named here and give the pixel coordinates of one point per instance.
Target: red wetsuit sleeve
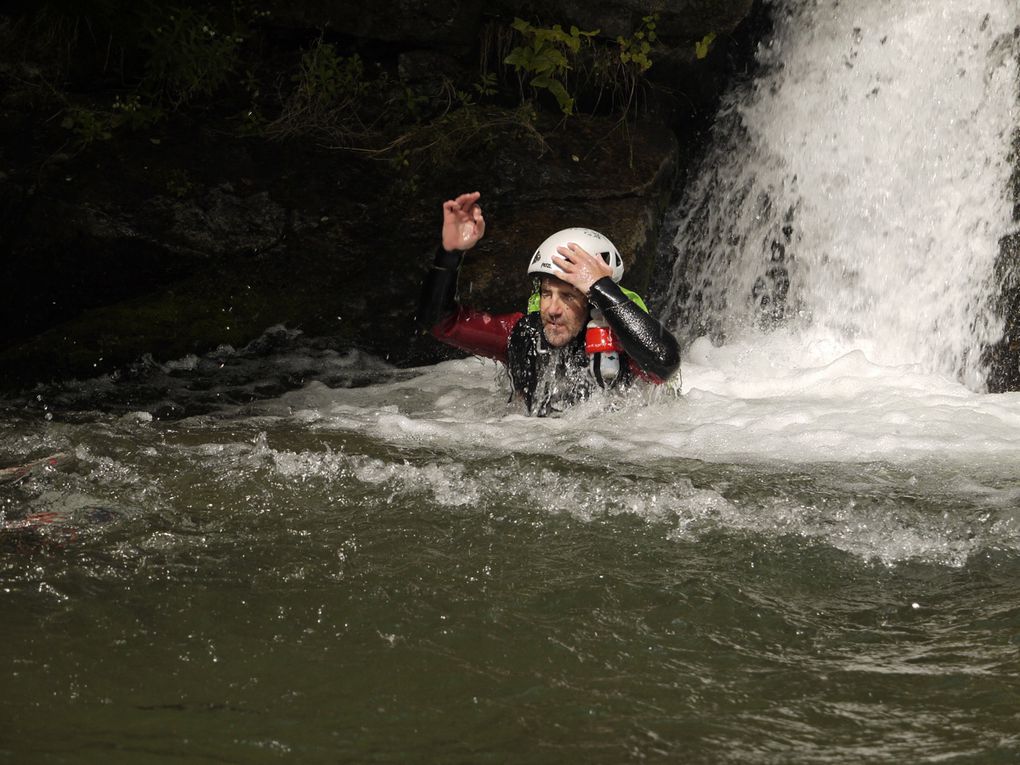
(477, 332)
(642, 374)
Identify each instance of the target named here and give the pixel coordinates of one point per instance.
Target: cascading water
(857, 190)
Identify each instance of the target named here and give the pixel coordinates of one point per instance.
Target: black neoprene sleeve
(644, 339)
(439, 292)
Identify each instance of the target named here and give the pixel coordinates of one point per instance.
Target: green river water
(255, 586)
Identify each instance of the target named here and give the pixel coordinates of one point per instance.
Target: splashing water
(858, 188)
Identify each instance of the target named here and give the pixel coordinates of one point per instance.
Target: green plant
(546, 57)
(187, 56)
(134, 114)
(486, 85)
(619, 71)
(336, 99)
(327, 98)
(702, 47)
(88, 125)
(634, 50)
(326, 80)
(413, 103)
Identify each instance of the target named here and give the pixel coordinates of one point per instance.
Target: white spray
(859, 187)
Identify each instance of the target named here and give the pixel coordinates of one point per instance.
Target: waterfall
(857, 187)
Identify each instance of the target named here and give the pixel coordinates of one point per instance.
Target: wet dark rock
(419, 21)
(220, 222)
(457, 23)
(180, 238)
(304, 237)
(1003, 358)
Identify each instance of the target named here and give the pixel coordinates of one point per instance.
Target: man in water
(582, 331)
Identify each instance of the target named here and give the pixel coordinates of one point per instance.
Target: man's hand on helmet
(580, 268)
(463, 224)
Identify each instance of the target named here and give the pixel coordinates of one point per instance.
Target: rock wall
(186, 236)
(1003, 359)
(451, 24)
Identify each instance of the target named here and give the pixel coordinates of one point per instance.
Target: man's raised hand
(580, 268)
(463, 224)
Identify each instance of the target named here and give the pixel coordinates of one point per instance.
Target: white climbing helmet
(588, 240)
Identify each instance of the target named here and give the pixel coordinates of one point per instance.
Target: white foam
(742, 401)
(741, 404)
(886, 449)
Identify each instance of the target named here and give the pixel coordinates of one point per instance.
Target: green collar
(536, 299)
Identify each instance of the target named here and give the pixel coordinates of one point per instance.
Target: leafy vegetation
(621, 72)
(187, 56)
(702, 47)
(326, 97)
(636, 49)
(159, 59)
(91, 124)
(546, 57)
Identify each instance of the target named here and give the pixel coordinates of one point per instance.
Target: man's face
(563, 309)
